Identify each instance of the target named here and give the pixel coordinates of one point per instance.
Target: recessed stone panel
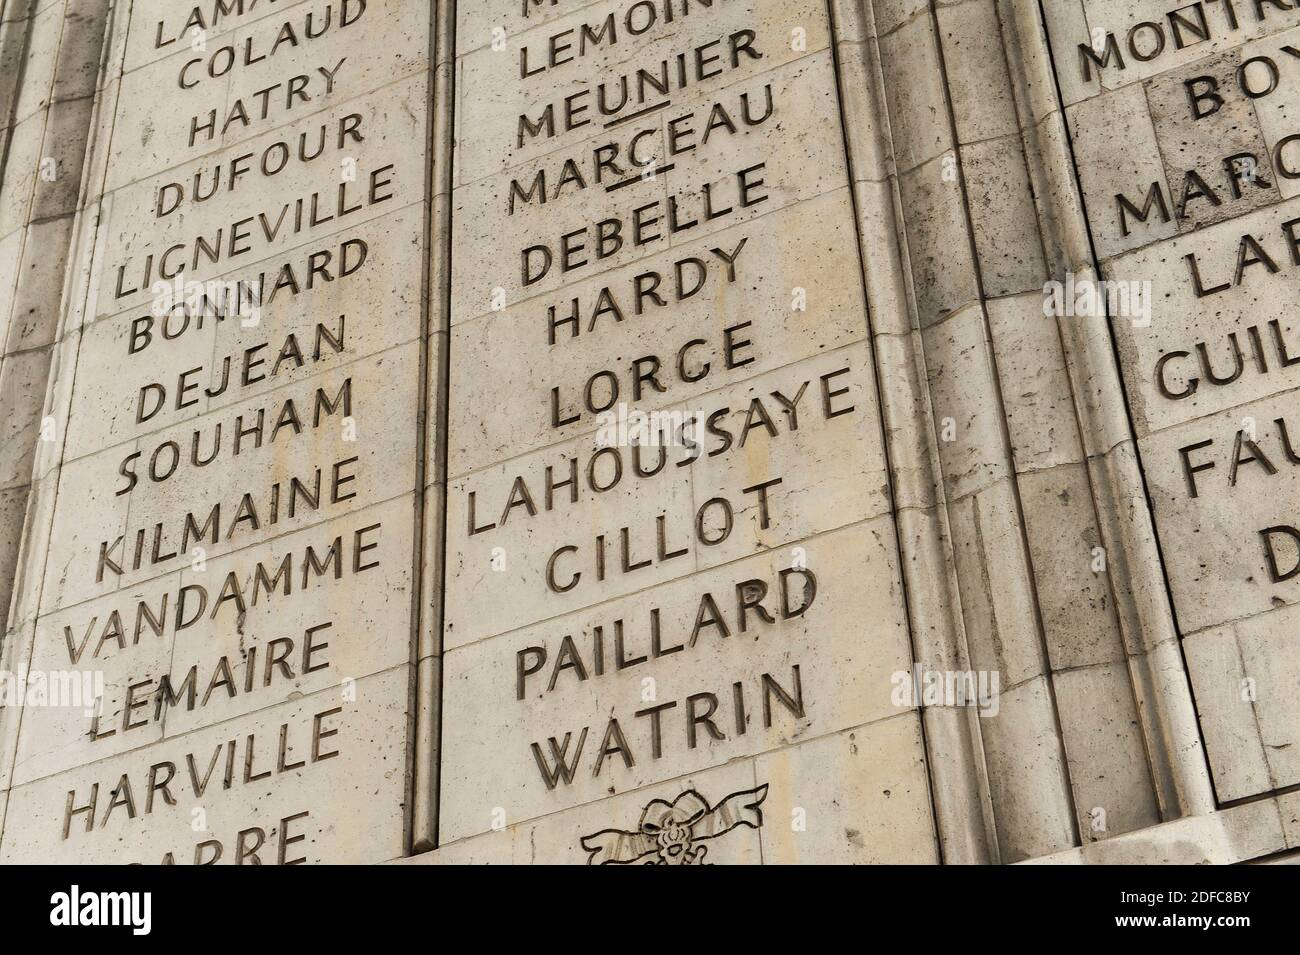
(725, 809)
(228, 435)
(1244, 677)
(1226, 490)
(331, 444)
(319, 780)
(1122, 42)
(1179, 152)
(1216, 160)
(1279, 112)
(290, 189)
(822, 800)
(258, 77)
(682, 299)
(696, 507)
(659, 62)
(706, 162)
(163, 27)
(699, 426)
(231, 636)
(218, 358)
(1222, 332)
(742, 659)
(857, 797)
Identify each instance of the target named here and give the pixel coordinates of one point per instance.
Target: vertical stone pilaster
(1032, 801)
(1173, 752)
(999, 137)
(49, 109)
(959, 793)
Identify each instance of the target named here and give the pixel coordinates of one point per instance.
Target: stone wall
(619, 431)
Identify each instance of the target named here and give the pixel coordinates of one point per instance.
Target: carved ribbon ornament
(674, 833)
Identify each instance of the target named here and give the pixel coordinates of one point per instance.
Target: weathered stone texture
(648, 431)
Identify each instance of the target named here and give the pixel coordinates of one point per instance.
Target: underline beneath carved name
(641, 112)
(641, 176)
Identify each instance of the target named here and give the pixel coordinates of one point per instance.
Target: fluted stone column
(48, 111)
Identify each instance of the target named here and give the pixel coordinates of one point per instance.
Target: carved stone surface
(676, 432)
(1210, 233)
(234, 449)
